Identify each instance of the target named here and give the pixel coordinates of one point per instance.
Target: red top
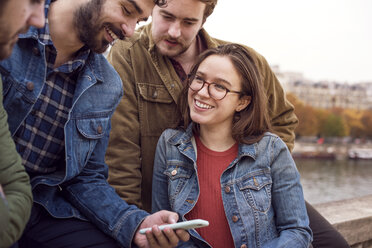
(210, 165)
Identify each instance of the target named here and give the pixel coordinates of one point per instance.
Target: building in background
(325, 94)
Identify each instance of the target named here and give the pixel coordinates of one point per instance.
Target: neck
(62, 30)
(188, 58)
(216, 139)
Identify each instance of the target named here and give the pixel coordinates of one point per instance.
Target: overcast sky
(323, 39)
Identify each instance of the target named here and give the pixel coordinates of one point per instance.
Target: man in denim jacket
(60, 94)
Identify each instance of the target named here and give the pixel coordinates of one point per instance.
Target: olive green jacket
(15, 183)
(151, 88)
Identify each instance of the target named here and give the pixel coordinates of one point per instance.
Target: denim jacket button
(243, 246)
(174, 172)
(235, 218)
(227, 189)
(30, 86)
(36, 51)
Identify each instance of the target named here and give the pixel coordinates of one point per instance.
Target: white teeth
(112, 34)
(202, 105)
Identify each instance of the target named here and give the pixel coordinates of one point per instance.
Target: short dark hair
(249, 124)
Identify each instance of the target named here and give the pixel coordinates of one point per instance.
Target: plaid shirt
(40, 138)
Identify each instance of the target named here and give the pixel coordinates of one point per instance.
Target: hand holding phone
(181, 225)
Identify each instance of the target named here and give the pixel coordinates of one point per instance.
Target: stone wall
(352, 218)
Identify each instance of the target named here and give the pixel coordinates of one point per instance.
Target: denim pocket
(256, 188)
(90, 131)
(178, 174)
(93, 128)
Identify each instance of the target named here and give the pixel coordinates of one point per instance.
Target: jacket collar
(94, 61)
(185, 139)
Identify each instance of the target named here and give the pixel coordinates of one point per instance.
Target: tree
(334, 126)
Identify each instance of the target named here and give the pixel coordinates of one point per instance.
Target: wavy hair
(249, 124)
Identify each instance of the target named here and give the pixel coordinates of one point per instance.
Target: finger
(169, 217)
(162, 240)
(171, 236)
(183, 235)
(151, 239)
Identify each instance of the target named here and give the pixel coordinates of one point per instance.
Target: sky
(323, 39)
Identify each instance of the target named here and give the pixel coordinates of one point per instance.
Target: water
(332, 180)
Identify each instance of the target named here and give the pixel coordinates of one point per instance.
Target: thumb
(171, 217)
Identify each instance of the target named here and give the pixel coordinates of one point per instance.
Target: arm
(281, 111)
(160, 199)
(124, 152)
(15, 183)
(288, 202)
(90, 193)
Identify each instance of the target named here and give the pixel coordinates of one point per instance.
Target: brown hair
(210, 4)
(252, 122)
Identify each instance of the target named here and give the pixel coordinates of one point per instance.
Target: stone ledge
(352, 218)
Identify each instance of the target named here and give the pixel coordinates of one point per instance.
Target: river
(331, 180)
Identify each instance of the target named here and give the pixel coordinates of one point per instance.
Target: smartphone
(181, 225)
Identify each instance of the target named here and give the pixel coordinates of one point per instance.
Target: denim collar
(183, 140)
(94, 61)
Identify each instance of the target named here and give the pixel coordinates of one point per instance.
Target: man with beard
(154, 65)
(60, 94)
(15, 192)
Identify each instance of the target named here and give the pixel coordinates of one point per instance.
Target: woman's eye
(219, 87)
(199, 79)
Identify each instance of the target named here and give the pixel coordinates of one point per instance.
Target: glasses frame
(209, 84)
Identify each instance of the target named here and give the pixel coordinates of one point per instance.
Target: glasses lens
(217, 91)
(196, 84)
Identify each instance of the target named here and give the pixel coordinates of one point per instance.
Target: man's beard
(182, 47)
(89, 26)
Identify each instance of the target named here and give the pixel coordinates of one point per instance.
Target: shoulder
(260, 60)
(271, 141)
(136, 45)
(104, 70)
(172, 135)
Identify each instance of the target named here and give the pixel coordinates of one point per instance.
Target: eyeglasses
(215, 90)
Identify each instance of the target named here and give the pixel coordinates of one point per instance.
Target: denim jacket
(79, 189)
(265, 191)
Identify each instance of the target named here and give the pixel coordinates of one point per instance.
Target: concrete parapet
(352, 218)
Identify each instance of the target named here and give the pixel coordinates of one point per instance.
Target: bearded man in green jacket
(15, 190)
(153, 65)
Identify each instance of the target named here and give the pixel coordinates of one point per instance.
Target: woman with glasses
(223, 165)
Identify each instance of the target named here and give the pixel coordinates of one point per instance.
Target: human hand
(156, 238)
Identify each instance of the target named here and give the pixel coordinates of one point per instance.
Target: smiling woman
(223, 142)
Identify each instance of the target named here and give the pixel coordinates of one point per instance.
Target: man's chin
(169, 52)
(6, 51)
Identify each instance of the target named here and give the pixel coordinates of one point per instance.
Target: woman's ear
(244, 102)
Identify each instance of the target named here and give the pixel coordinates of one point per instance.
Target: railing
(352, 218)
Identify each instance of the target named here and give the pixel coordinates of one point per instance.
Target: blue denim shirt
(265, 191)
(79, 189)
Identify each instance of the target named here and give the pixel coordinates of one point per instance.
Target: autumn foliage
(334, 122)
